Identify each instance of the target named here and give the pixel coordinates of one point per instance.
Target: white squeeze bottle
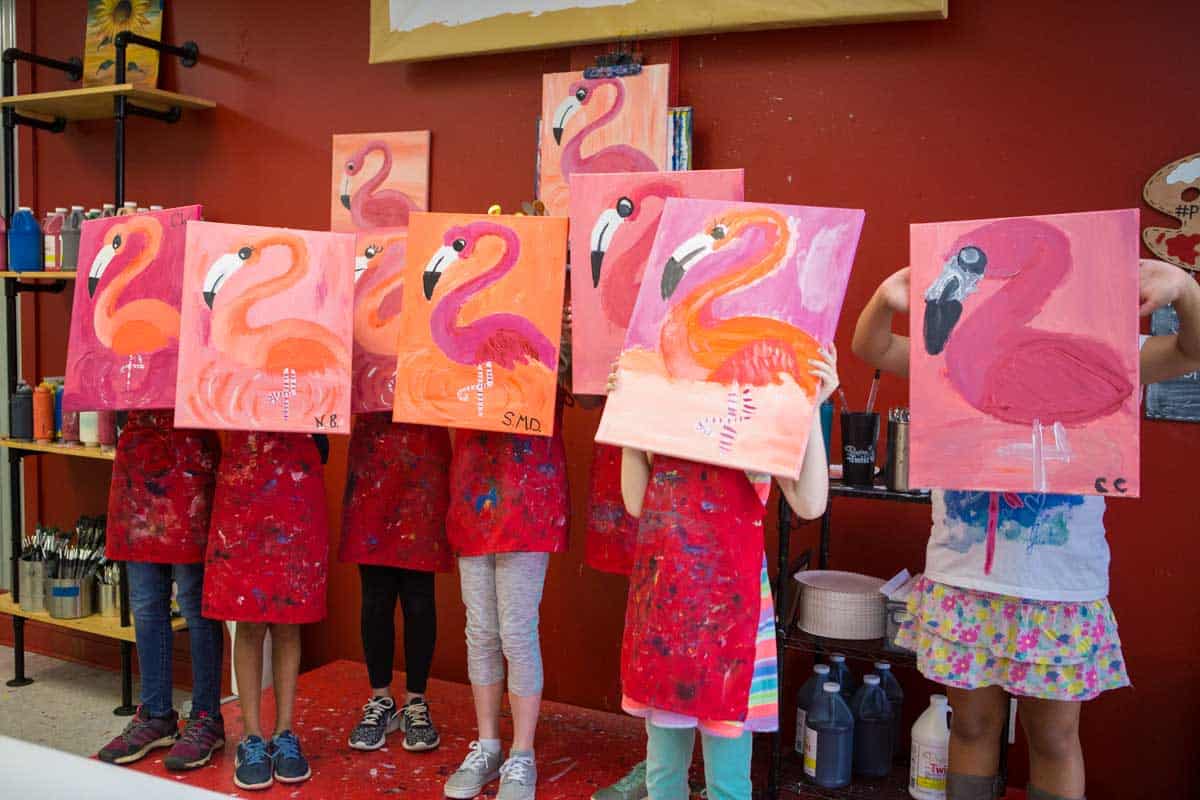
(930, 751)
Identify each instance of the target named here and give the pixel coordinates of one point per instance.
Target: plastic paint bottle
(156, 208)
(92, 213)
(71, 231)
(3, 243)
(89, 430)
(806, 697)
(840, 674)
(43, 414)
(58, 412)
(130, 207)
(872, 729)
(108, 210)
(829, 739)
(106, 429)
(70, 428)
(25, 242)
(930, 751)
(20, 413)
(895, 696)
(52, 244)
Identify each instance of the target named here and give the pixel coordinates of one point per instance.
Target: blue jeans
(669, 754)
(150, 602)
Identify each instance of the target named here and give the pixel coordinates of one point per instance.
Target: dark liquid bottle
(872, 729)
(829, 740)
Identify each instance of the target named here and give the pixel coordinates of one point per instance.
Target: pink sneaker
(203, 736)
(143, 734)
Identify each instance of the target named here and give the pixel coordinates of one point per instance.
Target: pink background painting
(378, 179)
(613, 221)
(718, 370)
(1043, 360)
(124, 341)
(266, 329)
(378, 300)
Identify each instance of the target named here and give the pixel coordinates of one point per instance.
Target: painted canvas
(614, 217)
(1024, 363)
(378, 298)
(483, 298)
(266, 329)
(378, 179)
(737, 297)
(107, 18)
(124, 339)
(600, 125)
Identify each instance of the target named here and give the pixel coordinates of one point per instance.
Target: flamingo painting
(600, 125)
(378, 299)
(614, 218)
(266, 329)
(379, 179)
(480, 330)
(1025, 360)
(125, 327)
(737, 300)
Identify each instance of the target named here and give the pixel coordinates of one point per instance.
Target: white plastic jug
(930, 751)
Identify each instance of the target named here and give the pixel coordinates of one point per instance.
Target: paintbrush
(873, 393)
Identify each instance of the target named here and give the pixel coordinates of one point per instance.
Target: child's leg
(485, 662)
(975, 730)
(207, 640)
(727, 766)
(519, 581)
(1055, 755)
(247, 666)
(378, 625)
(150, 601)
(668, 757)
(419, 604)
(285, 668)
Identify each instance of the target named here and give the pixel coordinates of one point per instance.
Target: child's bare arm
(1166, 357)
(874, 341)
(635, 477)
(808, 494)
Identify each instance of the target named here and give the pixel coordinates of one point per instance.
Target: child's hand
(612, 377)
(894, 291)
(825, 371)
(1160, 284)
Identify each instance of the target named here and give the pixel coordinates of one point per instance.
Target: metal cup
(897, 459)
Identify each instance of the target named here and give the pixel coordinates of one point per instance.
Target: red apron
(397, 489)
(162, 490)
(611, 532)
(692, 614)
(268, 550)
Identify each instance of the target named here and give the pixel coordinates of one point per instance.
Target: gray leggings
(502, 593)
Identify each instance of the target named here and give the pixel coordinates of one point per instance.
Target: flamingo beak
(683, 259)
(99, 264)
(433, 270)
(944, 299)
(345, 194)
(221, 270)
(563, 113)
(360, 266)
(602, 236)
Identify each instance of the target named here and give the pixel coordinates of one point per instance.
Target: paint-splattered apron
(162, 490)
(692, 616)
(397, 489)
(611, 532)
(268, 549)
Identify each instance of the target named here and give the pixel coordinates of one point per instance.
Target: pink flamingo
(375, 209)
(614, 158)
(505, 339)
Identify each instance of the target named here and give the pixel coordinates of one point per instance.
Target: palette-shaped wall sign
(483, 298)
(1024, 363)
(378, 300)
(124, 341)
(736, 300)
(1175, 191)
(378, 179)
(266, 331)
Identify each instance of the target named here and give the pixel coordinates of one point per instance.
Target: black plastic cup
(860, 432)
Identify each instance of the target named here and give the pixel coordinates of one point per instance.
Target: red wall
(1007, 108)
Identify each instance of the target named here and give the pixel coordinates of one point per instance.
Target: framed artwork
(614, 217)
(265, 337)
(107, 18)
(378, 179)
(124, 340)
(378, 300)
(735, 301)
(1024, 363)
(483, 298)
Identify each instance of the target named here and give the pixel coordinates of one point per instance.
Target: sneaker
(290, 764)
(518, 777)
(379, 718)
(143, 734)
(203, 736)
(478, 769)
(631, 787)
(419, 733)
(252, 767)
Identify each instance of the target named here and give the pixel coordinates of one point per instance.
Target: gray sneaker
(518, 777)
(631, 787)
(478, 769)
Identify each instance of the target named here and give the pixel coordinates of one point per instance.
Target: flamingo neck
(107, 302)
(444, 322)
(369, 186)
(380, 289)
(235, 319)
(572, 157)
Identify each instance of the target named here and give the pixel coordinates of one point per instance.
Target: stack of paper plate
(842, 605)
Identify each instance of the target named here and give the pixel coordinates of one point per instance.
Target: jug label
(928, 769)
(810, 752)
(801, 716)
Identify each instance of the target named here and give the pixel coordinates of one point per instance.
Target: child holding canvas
(1038, 625)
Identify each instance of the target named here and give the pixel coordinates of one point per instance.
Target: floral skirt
(1031, 648)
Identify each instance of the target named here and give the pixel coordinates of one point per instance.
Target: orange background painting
(365, 193)
(483, 297)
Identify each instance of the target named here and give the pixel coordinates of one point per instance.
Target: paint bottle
(895, 696)
(806, 697)
(872, 729)
(829, 739)
(930, 751)
(108, 210)
(106, 430)
(71, 230)
(840, 674)
(52, 239)
(3, 243)
(25, 242)
(20, 413)
(156, 208)
(58, 397)
(70, 428)
(130, 207)
(92, 213)
(43, 414)
(89, 429)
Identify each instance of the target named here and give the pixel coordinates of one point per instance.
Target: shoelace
(287, 746)
(138, 720)
(476, 760)
(197, 731)
(636, 777)
(374, 710)
(256, 751)
(417, 715)
(518, 769)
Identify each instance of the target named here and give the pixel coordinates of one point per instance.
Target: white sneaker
(477, 770)
(518, 777)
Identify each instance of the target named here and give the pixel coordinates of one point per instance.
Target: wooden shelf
(96, 102)
(108, 627)
(60, 449)
(50, 276)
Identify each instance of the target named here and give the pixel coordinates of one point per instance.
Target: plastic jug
(930, 751)
(872, 729)
(25, 252)
(807, 695)
(20, 413)
(829, 739)
(895, 695)
(52, 243)
(71, 230)
(840, 674)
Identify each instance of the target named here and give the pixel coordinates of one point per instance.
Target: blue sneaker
(290, 764)
(252, 768)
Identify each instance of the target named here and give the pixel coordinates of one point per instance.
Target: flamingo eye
(459, 245)
(350, 167)
(624, 207)
(116, 243)
(245, 253)
(581, 94)
(371, 251)
(972, 259)
(719, 232)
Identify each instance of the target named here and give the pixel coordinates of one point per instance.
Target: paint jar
(71, 231)
(829, 740)
(895, 696)
(70, 428)
(872, 730)
(52, 241)
(106, 430)
(33, 585)
(70, 598)
(808, 695)
(897, 450)
(20, 413)
(839, 673)
(860, 431)
(89, 429)
(25, 242)
(930, 751)
(43, 414)
(110, 604)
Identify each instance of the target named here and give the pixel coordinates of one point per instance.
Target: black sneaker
(419, 733)
(380, 717)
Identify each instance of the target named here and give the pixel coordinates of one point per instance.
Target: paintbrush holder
(70, 598)
(110, 603)
(33, 585)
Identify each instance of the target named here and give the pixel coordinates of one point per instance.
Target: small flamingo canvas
(378, 299)
(1024, 363)
(479, 337)
(600, 125)
(265, 340)
(736, 299)
(378, 179)
(124, 340)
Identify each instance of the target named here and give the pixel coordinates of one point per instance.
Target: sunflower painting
(107, 18)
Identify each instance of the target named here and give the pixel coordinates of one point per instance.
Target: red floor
(578, 750)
